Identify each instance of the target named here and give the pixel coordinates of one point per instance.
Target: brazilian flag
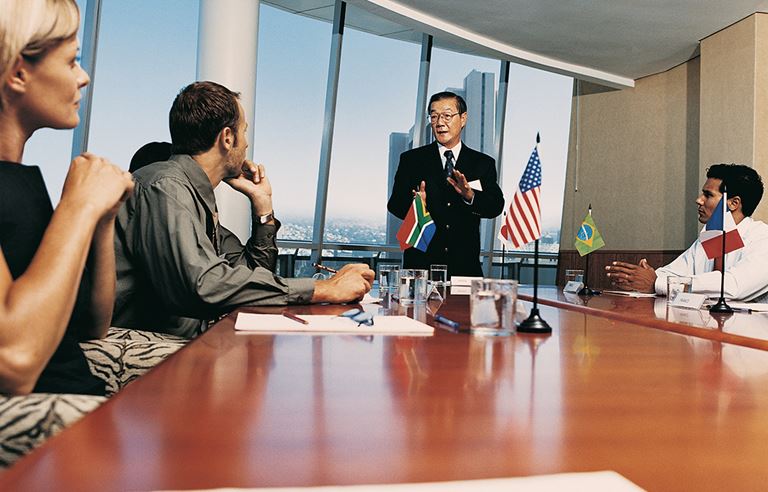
(588, 238)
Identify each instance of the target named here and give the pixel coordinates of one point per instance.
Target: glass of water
(492, 306)
(677, 286)
(413, 286)
(386, 278)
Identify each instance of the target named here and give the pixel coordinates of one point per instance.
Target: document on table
(369, 299)
(575, 482)
(628, 293)
(316, 323)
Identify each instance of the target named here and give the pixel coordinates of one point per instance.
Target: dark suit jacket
(456, 242)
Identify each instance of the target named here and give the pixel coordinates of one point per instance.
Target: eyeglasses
(359, 316)
(447, 117)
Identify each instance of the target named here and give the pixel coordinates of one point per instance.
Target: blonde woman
(57, 267)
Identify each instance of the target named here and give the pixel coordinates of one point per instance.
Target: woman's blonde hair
(30, 28)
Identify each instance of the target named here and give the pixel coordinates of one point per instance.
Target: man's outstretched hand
(349, 284)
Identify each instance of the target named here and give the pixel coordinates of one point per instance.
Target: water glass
(492, 304)
(678, 285)
(394, 284)
(413, 286)
(438, 274)
(385, 277)
(574, 276)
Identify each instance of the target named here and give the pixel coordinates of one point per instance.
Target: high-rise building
(480, 94)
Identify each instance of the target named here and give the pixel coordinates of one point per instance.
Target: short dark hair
(461, 104)
(149, 153)
(200, 111)
(741, 181)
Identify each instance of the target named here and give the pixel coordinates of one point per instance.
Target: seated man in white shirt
(746, 269)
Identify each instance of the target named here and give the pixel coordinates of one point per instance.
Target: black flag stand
(534, 323)
(722, 307)
(586, 290)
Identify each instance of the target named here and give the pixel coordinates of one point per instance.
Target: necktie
(448, 163)
(718, 263)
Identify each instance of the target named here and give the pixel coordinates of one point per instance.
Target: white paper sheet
(369, 299)
(572, 482)
(277, 323)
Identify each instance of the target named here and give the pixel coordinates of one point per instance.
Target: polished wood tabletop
(747, 329)
(667, 411)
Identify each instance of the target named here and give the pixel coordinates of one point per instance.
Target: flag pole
(586, 290)
(503, 258)
(721, 306)
(534, 323)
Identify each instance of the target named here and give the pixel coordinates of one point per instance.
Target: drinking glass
(413, 286)
(492, 304)
(678, 285)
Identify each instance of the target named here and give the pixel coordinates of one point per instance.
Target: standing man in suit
(458, 185)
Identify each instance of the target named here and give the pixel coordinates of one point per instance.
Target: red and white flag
(712, 235)
(521, 224)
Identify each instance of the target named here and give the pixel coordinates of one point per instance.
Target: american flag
(522, 223)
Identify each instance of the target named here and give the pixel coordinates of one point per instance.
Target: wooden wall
(599, 259)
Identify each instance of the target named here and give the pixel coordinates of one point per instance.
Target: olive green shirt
(177, 269)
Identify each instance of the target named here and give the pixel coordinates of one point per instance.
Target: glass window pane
(52, 149)
(292, 71)
(377, 93)
(147, 53)
(538, 101)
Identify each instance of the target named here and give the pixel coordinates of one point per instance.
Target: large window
(52, 149)
(147, 52)
(290, 97)
(377, 92)
(538, 101)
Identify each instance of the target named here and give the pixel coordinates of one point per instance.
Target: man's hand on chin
(253, 183)
(626, 276)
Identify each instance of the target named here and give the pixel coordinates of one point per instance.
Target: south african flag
(418, 228)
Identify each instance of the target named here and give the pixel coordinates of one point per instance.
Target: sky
(147, 52)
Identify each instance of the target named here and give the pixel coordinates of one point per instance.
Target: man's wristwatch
(263, 219)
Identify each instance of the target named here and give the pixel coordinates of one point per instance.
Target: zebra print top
(25, 211)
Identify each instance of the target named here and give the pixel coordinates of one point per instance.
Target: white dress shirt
(746, 269)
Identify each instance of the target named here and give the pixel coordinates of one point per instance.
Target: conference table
(741, 328)
(667, 410)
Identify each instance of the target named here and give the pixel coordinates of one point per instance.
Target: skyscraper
(480, 94)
